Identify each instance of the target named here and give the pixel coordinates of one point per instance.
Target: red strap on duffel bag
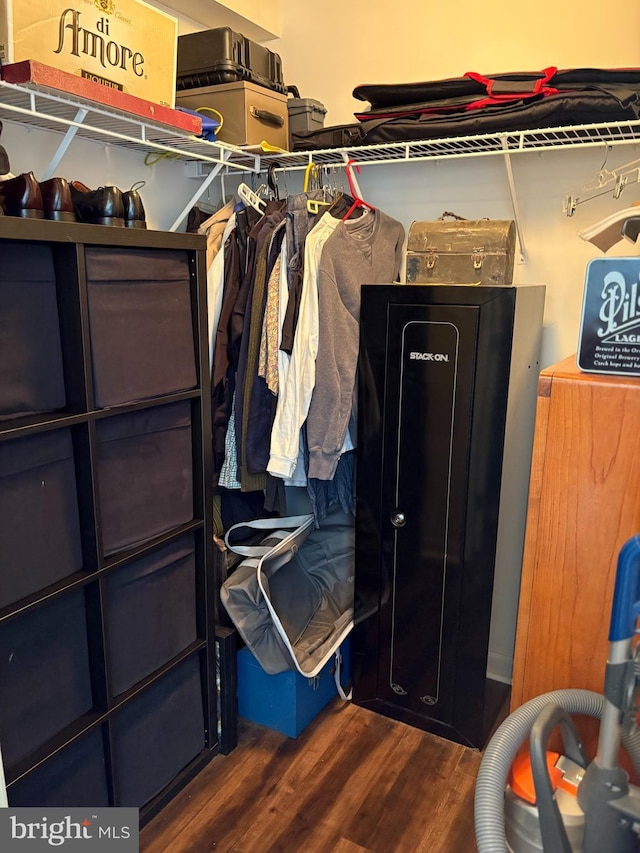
(503, 91)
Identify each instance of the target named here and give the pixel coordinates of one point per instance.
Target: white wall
(327, 49)
(253, 18)
(327, 54)
(478, 187)
(330, 48)
(166, 191)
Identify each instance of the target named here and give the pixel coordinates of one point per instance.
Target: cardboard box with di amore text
(125, 45)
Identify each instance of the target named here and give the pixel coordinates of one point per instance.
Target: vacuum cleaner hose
(502, 748)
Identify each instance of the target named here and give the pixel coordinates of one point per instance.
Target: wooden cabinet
(107, 638)
(584, 503)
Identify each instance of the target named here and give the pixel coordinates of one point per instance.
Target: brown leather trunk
(462, 251)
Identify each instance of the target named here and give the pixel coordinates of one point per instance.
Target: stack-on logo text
(429, 356)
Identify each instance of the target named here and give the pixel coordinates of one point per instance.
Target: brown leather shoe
(56, 200)
(5, 168)
(103, 206)
(21, 196)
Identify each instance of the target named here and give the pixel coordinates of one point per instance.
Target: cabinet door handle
(267, 117)
(398, 519)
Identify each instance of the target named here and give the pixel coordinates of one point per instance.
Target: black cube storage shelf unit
(446, 408)
(108, 653)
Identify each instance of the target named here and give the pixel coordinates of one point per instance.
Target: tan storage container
(128, 46)
(252, 114)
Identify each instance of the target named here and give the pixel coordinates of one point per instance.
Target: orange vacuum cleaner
(559, 802)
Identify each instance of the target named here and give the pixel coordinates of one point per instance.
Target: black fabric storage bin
(145, 474)
(142, 340)
(44, 674)
(159, 733)
(31, 375)
(39, 524)
(73, 778)
(151, 611)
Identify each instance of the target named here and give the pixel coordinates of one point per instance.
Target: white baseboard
(499, 667)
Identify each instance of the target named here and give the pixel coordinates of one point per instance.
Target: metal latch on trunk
(478, 257)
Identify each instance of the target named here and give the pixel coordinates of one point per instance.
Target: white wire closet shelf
(80, 118)
(486, 144)
(504, 144)
(75, 117)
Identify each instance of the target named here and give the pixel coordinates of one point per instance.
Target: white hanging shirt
(296, 389)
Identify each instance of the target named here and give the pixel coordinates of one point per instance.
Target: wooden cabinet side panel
(525, 604)
(583, 509)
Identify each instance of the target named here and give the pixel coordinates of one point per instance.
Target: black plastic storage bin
(140, 323)
(150, 611)
(44, 674)
(76, 777)
(158, 733)
(145, 474)
(221, 55)
(31, 370)
(39, 524)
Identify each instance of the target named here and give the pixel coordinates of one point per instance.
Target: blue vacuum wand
(611, 806)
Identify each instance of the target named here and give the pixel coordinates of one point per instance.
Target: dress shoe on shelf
(134, 213)
(5, 168)
(103, 206)
(21, 196)
(56, 200)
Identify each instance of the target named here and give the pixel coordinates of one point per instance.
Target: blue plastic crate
(286, 702)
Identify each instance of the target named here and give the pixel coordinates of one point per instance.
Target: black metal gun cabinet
(446, 408)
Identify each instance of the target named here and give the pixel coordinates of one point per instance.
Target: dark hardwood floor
(352, 782)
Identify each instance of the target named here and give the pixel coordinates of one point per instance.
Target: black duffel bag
(466, 107)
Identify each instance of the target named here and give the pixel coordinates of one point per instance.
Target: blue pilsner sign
(610, 327)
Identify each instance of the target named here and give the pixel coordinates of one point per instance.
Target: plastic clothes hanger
(357, 201)
(253, 199)
(601, 185)
(314, 205)
(312, 176)
(272, 180)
